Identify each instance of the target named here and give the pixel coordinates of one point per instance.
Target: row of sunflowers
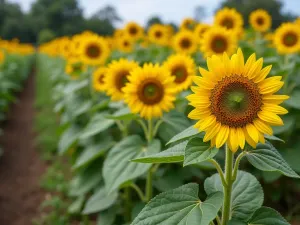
(15, 65)
(145, 113)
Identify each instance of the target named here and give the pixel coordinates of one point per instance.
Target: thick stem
(150, 131)
(149, 185)
(226, 214)
(128, 206)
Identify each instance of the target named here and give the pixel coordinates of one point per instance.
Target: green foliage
(45, 35)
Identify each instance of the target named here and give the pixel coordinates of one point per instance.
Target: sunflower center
(77, 67)
(126, 43)
(93, 51)
(158, 34)
(150, 92)
(101, 79)
(290, 39)
(121, 79)
(133, 30)
(228, 23)
(185, 43)
(260, 21)
(180, 73)
(236, 101)
(219, 44)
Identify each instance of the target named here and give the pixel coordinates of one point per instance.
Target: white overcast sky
(168, 10)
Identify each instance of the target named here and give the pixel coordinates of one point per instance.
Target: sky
(168, 10)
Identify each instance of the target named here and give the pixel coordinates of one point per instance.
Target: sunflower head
(2, 56)
(125, 44)
(260, 20)
(94, 50)
(74, 68)
(185, 42)
(188, 24)
(287, 38)
(159, 34)
(117, 76)
(200, 30)
(182, 68)
(150, 91)
(234, 101)
(98, 79)
(218, 40)
(134, 30)
(229, 18)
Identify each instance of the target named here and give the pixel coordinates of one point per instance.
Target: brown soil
(20, 166)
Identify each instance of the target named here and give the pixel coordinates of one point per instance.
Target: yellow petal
(240, 137)
(249, 140)
(274, 108)
(203, 82)
(263, 127)
(211, 132)
(205, 123)
(222, 136)
(255, 69)
(270, 118)
(251, 60)
(233, 140)
(262, 74)
(252, 131)
(275, 99)
(261, 138)
(270, 85)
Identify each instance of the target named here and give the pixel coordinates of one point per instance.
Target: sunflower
(2, 56)
(185, 42)
(125, 43)
(260, 20)
(188, 24)
(218, 40)
(150, 91)
(235, 102)
(117, 77)
(74, 68)
(134, 31)
(287, 38)
(94, 50)
(200, 29)
(182, 67)
(159, 34)
(229, 18)
(98, 79)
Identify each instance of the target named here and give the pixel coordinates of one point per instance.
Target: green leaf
(247, 194)
(187, 133)
(117, 167)
(293, 101)
(100, 201)
(106, 217)
(97, 124)
(171, 155)
(288, 124)
(273, 138)
(174, 123)
(197, 151)
(92, 152)
(180, 206)
(267, 216)
(122, 114)
(75, 86)
(265, 157)
(68, 138)
(76, 206)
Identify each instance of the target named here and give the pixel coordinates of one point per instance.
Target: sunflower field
(198, 125)
(15, 65)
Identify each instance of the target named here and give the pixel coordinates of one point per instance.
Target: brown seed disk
(180, 72)
(185, 43)
(290, 39)
(224, 112)
(121, 79)
(228, 23)
(93, 50)
(150, 91)
(219, 44)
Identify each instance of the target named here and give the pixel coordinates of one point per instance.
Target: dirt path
(20, 166)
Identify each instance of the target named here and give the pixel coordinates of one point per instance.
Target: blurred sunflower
(260, 20)
(2, 56)
(94, 50)
(200, 30)
(150, 91)
(125, 43)
(117, 77)
(159, 34)
(188, 24)
(185, 42)
(98, 79)
(229, 18)
(182, 67)
(218, 40)
(134, 31)
(74, 68)
(235, 102)
(287, 38)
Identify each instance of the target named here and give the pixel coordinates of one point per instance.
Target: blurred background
(38, 21)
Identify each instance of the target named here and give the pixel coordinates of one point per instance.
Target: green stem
(157, 125)
(144, 127)
(226, 214)
(138, 191)
(150, 130)
(128, 204)
(218, 167)
(149, 185)
(237, 164)
(218, 220)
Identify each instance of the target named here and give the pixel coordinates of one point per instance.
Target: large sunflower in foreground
(94, 50)
(182, 67)
(287, 38)
(260, 20)
(98, 79)
(134, 30)
(185, 42)
(229, 18)
(234, 101)
(159, 34)
(218, 40)
(117, 77)
(150, 91)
